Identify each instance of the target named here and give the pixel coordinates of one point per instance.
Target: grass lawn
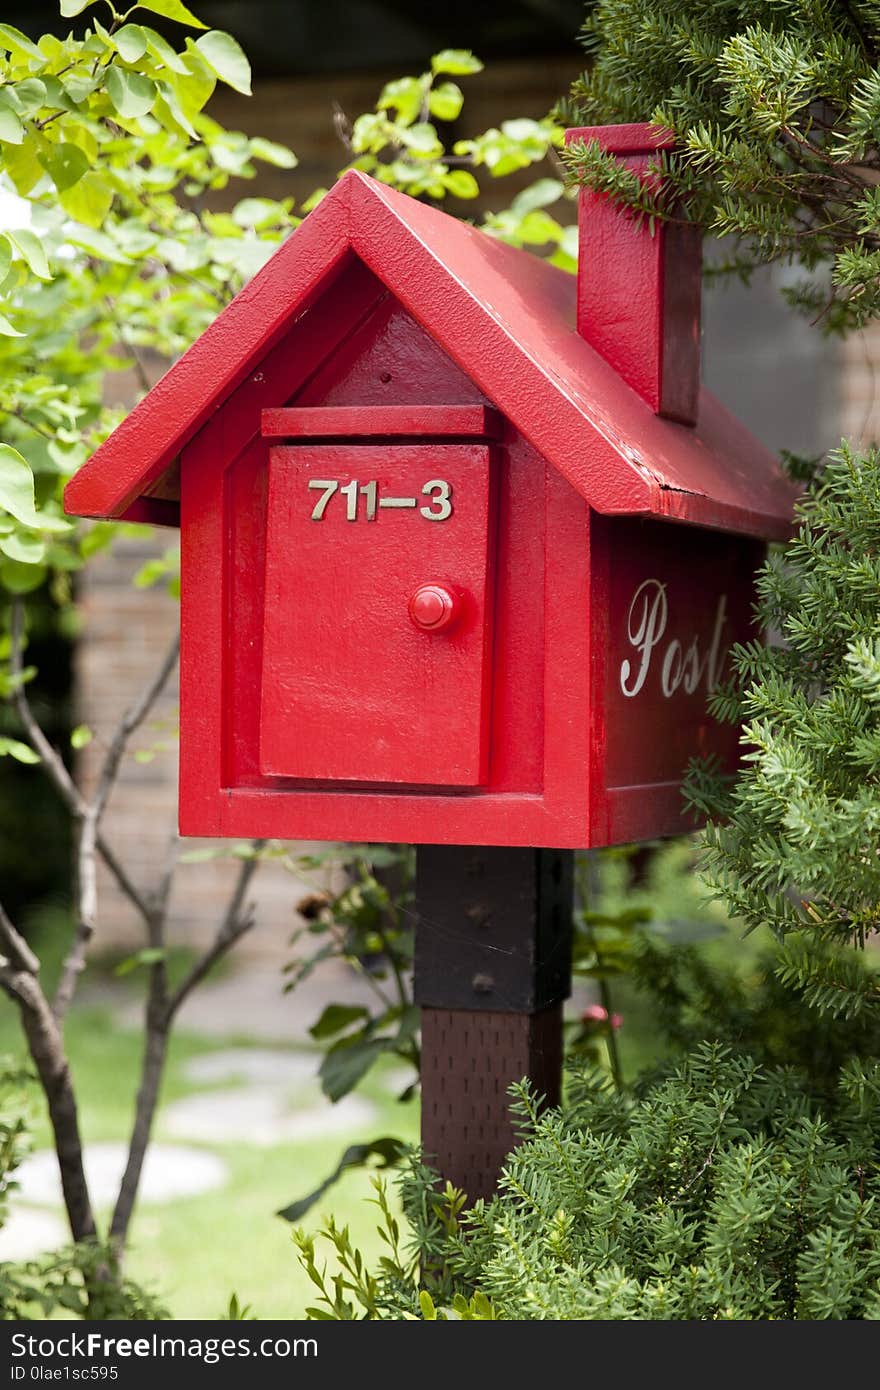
(196, 1251)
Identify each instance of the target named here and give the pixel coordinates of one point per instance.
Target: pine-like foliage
(795, 841)
(724, 1192)
(777, 107)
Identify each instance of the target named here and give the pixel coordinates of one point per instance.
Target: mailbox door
(377, 629)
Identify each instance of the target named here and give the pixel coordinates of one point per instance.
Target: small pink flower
(596, 1013)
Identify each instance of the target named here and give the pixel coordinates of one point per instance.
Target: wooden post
(492, 968)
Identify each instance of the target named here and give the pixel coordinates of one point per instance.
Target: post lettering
(646, 625)
(683, 666)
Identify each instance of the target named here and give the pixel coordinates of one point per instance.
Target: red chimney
(638, 292)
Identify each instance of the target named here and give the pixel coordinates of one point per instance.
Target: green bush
(738, 1178)
(724, 1191)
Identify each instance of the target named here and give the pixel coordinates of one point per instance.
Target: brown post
(493, 965)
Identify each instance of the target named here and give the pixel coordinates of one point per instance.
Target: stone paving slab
(262, 1116)
(170, 1171)
(28, 1233)
(253, 1064)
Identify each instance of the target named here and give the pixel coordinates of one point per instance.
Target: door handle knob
(434, 607)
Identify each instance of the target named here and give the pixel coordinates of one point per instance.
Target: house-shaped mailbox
(464, 545)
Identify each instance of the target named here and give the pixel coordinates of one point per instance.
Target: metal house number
(438, 508)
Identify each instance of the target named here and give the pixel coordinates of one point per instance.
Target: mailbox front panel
(378, 603)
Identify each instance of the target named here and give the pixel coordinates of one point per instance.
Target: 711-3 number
(438, 508)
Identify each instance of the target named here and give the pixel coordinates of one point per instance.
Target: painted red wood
(506, 319)
(638, 287)
(352, 689)
(360, 421)
(153, 511)
(665, 618)
(536, 791)
(321, 698)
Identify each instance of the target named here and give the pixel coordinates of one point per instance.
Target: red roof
(507, 319)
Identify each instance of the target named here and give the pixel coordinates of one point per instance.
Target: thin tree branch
(130, 721)
(19, 414)
(18, 978)
(237, 921)
(19, 954)
(123, 882)
(159, 1017)
(55, 768)
(51, 759)
(141, 372)
(160, 899)
(87, 869)
(158, 1024)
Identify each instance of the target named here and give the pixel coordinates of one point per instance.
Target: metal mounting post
(492, 968)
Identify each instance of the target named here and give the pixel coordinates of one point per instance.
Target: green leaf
(258, 212)
(22, 164)
(458, 61)
(405, 96)
(90, 201)
(171, 114)
(445, 101)
(17, 486)
(422, 139)
(7, 330)
(539, 194)
(347, 1063)
(171, 9)
(14, 41)
(78, 86)
(31, 93)
(81, 736)
(389, 1150)
(150, 572)
(30, 248)
(28, 550)
(131, 42)
(461, 183)
(336, 1017)
(71, 8)
(150, 955)
(66, 164)
(97, 244)
(132, 93)
(19, 578)
(410, 1021)
(270, 153)
(11, 128)
(225, 57)
(522, 128)
(161, 49)
(22, 752)
(538, 227)
(426, 1305)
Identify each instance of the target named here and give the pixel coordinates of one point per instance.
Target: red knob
(434, 607)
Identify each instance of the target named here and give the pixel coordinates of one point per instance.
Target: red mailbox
(464, 546)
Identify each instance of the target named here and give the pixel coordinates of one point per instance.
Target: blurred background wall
(313, 59)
